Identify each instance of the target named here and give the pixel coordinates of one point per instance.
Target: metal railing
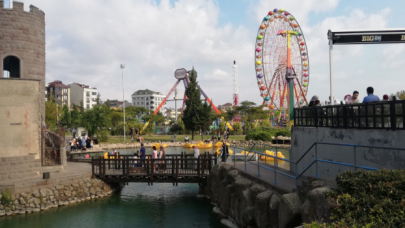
(52, 142)
(374, 115)
(295, 175)
(123, 167)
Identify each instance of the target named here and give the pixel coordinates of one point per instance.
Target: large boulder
(242, 184)
(289, 210)
(225, 197)
(274, 204)
(307, 212)
(246, 209)
(262, 212)
(318, 184)
(223, 171)
(257, 188)
(321, 204)
(230, 177)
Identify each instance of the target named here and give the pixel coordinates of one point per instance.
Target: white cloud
(88, 40)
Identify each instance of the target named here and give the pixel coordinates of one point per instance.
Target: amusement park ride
(282, 65)
(183, 75)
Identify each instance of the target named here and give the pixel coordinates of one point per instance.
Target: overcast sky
(88, 40)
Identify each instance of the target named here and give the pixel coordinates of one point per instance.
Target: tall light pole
(175, 104)
(123, 97)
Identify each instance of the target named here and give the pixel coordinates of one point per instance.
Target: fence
(51, 146)
(375, 115)
(176, 168)
(291, 173)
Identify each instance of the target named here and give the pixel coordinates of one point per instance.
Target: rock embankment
(249, 204)
(41, 199)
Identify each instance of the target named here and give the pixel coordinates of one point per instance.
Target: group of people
(155, 155)
(225, 135)
(82, 143)
(350, 99)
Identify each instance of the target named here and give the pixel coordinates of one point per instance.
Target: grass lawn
(165, 138)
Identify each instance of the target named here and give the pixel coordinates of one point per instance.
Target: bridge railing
(124, 166)
(313, 159)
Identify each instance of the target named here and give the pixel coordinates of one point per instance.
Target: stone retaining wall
(42, 196)
(249, 204)
(14, 168)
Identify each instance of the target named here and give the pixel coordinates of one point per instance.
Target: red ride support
(168, 95)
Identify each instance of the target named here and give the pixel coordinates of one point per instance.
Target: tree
(181, 126)
(75, 117)
(265, 123)
(204, 122)
(159, 118)
(222, 126)
(237, 129)
(96, 118)
(66, 118)
(116, 118)
(249, 113)
(50, 113)
(98, 99)
(400, 95)
(194, 112)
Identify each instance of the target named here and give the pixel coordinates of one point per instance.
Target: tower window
(11, 67)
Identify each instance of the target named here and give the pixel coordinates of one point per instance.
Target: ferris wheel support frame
(290, 75)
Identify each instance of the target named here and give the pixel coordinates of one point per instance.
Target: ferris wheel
(272, 62)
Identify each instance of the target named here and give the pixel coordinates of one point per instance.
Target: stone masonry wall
(43, 196)
(20, 118)
(22, 34)
(14, 168)
(249, 204)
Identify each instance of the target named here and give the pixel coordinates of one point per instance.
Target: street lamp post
(175, 104)
(123, 97)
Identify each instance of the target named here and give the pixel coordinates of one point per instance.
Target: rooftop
(145, 91)
(83, 86)
(57, 83)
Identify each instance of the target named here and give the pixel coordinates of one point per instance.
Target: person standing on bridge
(224, 151)
(154, 156)
(196, 153)
(142, 155)
(162, 155)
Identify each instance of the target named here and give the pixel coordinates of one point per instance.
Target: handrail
(298, 175)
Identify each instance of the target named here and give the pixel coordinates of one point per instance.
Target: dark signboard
(367, 37)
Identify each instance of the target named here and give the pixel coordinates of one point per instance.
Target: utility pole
(123, 96)
(235, 99)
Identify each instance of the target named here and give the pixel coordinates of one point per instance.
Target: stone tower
(22, 45)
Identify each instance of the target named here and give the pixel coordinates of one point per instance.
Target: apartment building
(148, 99)
(83, 93)
(59, 91)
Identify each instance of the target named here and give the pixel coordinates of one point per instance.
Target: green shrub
(265, 133)
(283, 132)
(237, 129)
(103, 136)
(369, 199)
(6, 197)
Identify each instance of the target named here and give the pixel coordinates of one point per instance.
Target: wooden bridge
(174, 169)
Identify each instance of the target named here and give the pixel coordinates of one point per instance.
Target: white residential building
(149, 100)
(79, 92)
